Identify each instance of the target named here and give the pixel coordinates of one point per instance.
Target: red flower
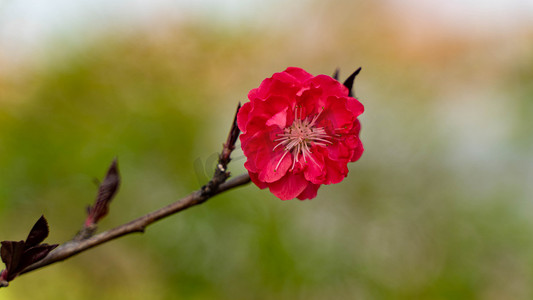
(299, 131)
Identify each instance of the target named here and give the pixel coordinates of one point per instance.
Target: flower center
(298, 138)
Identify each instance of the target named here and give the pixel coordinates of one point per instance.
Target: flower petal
(242, 116)
(336, 112)
(329, 86)
(279, 84)
(355, 106)
(260, 184)
(336, 171)
(271, 111)
(279, 119)
(276, 167)
(257, 149)
(289, 186)
(298, 73)
(309, 192)
(358, 151)
(339, 151)
(315, 170)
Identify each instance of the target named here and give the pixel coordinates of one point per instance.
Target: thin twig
(215, 186)
(221, 171)
(72, 248)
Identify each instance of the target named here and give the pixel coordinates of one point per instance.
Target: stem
(72, 248)
(215, 186)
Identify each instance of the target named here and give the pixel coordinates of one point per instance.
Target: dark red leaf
(349, 81)
(34, 254)
(106, 192)
(19, 255)
(38, 233)
(12, 253)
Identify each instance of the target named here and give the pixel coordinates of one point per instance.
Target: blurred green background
(438, 207)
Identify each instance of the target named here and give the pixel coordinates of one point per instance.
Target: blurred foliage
(437, 208)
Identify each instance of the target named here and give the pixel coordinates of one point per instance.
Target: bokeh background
(439, 207)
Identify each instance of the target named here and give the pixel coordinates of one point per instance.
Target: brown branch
(72, 248)
(215, 186)
(221, 173)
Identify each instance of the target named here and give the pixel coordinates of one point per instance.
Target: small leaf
(19, 255)
(349, 81)
(38, 233)
(12, 253)
(106, 192)
(34, 254)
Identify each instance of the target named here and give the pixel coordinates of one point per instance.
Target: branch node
(85, 232)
